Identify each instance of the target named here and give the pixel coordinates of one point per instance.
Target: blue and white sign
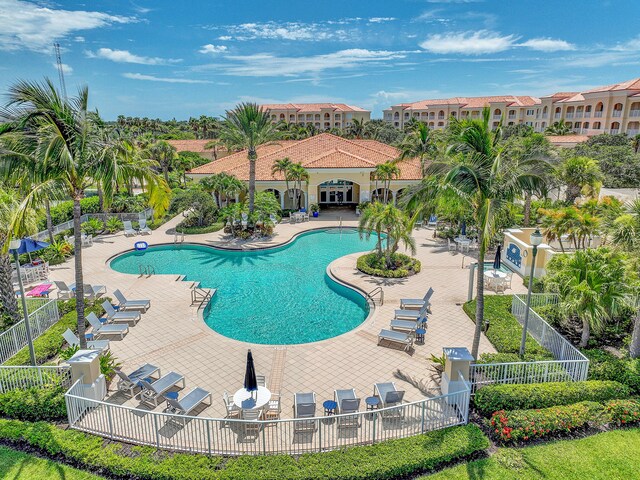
(141, 246)
(514, 255)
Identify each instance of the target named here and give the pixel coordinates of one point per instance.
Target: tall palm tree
(164, 155)
(213, 145)
(385, 172)
(8, 303)
(370, 222)
(71, 156)
(356, 129)
(247, 127)
(283, 166)
(580, 175)
(297, 174)
(559, 128)
(418, 143)
(474, 171)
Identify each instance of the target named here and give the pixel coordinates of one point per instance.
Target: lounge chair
(407, 314)
(406, 303)
(418, 224)
(190, 401)
(433, 221)
(86, 240)
(128, 383)
(404, 325)
(64, 292)
(347, 402)
(453, 247)
(304, 406)
(129, 231)
(144, 230)
(389, 396)
(90, 291)
(127, 316)
(396, 337)
(98, 328)
(124, 304)
(153, 392)
(73, 340)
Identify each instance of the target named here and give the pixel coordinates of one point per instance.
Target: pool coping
(328, 271)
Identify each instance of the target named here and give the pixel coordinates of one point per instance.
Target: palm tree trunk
(561, 245)
(47, 209)
(634, 346)
(165, 171)
(8, 302)
(100, 199)
(527, 209)
(252, 178)
(586, 333)
(479, 296)
(79, 277)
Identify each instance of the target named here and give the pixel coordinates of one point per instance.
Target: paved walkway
(172, 336)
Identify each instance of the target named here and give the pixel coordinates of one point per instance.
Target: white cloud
(209, 48)
(78, 39)
(225, 37)
(632, 45)
(66, 69)
(269, 65)
(152, 78)
(468, 43)
(381, 19)
(547, 44)
(27, 25)
(124, 56)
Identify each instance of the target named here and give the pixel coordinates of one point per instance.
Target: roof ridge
(357, 145)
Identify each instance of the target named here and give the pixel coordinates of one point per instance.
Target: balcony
(578, 114)
(634, 113)
(545, 115)
(633, 132)
(557, 115)
(569, 115)
(587, 114)
(497, 117)
(613, 131)
(617, 113)
(598, 114)
(512, 117)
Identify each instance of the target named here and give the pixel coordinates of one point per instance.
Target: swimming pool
(274, 296)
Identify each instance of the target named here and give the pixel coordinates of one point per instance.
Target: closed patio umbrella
(463, 229)
(496, 261)
(250, 380)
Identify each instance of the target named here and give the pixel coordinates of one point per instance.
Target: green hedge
(513, 357)
(34, 404)
(496, 397)
(504, 331)
(371, 264)
(522, 425)
(623, 412)
(195, 230)
(605, 366)
(63, 211)
(49, 343)
(386, 460)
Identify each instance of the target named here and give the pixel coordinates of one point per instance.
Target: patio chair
(433, 221)
(404, 325)
(64, 292)
(128, 383)
(347, 402)
(129, 231)
(86, 240)
(418, 224)
(407, 314)
(232, 409)
(190, 401)
(304, 406)
(305, 216)
(124, 304)
(73, 340)
(406, 303)
(153, 392)
(404, 339)
(245, 221)
(251, 421)
(144, 229)
(261, 380)
(508, 280)
(126, 316)
(273, 409)
(389, 396)
(453, 246)
(98, 328)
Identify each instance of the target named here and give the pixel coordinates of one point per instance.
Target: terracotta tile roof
(190, 145)
(559, 139)
(561, 95)
(317, 152)
(633, 84)
(472, 102)
(576, 98)
(313, 107)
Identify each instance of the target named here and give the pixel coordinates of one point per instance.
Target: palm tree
(371, 221)
(247, 127)
(635, 143)
(356, 129)
(297, 174)
(475, 171)
(580, 175)
(385, 172)
(559, 128)
(222, 185)
(393, 222)
(283, 166)
(213, 145)
(164, 155)
(418, 143)
(71, 156)
(8, 302)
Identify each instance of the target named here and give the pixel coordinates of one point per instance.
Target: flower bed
(623, 412)
(404, 265)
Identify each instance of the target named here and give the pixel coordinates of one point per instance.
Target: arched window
(441, 114)
(282, 116)
(497, 112)
(597, 125)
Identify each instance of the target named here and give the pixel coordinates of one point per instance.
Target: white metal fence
(146, 214)
(12, 378)
(569, 364)
(263, 437)
(43, 312)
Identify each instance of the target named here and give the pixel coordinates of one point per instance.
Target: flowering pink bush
(623, 411)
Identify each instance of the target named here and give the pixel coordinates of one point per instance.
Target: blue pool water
(503, 268)
(276, 296)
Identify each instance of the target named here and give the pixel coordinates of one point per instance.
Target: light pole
(14, 245)
(535, 239)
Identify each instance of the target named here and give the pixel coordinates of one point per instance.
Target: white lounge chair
(304, 406)
(389, 396)
(73, 340)
(98, 328)
(190, 401)
(418, 224)
(348, 402)
(153, 392)
(128, 383)
(64, 292)
(144, 229)
(433, 221)
(406, 303)
(408, 314)
(396, 337)
(404, 325)
(124, 304)
(87, 240)
(129, 231)
(127, 316)
(90, 291)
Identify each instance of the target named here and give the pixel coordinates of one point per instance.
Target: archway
(290, 198)
(338, 192)
(382, 195)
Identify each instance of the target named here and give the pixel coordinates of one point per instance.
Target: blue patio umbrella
(28, 245)
(496, 261)
(250, 380)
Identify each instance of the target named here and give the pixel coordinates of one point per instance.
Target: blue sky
(186, 58)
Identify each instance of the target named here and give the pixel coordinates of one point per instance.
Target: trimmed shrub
(492, 398)
(405, 265)
(605, 366)
(623, 412)
(34, 404)
(513, 357)
(386, 460)
(195, 230)
(522, 425)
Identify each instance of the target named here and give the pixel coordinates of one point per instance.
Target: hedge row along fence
(383, 461)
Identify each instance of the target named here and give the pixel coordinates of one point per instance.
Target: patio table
(462, 242)
(252, 400)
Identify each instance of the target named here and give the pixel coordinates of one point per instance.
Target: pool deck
(173, 336)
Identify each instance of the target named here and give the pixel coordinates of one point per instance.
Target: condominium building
(323, 116)
(608, 109)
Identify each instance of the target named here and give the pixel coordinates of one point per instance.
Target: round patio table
(495, 274)
(252, 400)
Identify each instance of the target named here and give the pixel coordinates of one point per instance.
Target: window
(530, 112)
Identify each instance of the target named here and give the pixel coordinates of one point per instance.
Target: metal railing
(21, 377)
(227, 436)
(42, 314)
(147, 270)
(569, 364)
(376, 291)
(200, 296)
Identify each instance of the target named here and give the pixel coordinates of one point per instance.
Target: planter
(315, 214)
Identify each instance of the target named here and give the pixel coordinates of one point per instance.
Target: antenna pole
(56, 46)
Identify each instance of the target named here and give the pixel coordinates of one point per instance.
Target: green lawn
(607, 456)
(21, 466)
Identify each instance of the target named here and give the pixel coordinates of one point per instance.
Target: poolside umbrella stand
(496, 261)
(250, 380)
